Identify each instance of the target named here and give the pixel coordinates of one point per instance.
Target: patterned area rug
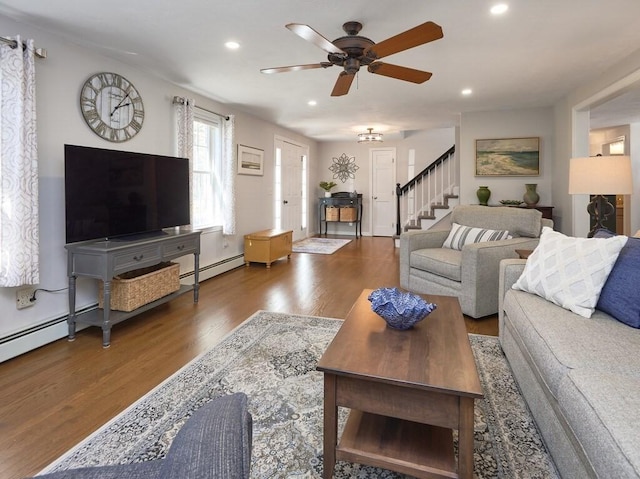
(319, 245)
(272, 358)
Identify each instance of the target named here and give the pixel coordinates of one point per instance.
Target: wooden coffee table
(407, 391)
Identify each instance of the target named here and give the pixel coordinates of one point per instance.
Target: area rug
(319, 245)
(272, 358)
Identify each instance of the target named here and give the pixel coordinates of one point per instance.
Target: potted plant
(326, 186)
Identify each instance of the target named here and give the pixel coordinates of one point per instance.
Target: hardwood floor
(53, 397)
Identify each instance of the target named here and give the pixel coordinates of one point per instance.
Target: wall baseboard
(56, 329)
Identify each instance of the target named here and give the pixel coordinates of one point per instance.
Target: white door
(383, 191)
(290, 188)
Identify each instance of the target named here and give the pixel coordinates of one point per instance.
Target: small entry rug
(319, 245)
(272, 358)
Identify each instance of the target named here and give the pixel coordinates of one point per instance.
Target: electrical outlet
(23, 298)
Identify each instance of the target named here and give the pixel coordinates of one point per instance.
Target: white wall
(428, 146)
(59, 79)
(535, 122)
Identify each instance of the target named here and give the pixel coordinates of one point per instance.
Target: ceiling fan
(354, 51)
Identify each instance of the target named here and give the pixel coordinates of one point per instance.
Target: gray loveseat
(580, 377)
(471, 273)
(214, 443)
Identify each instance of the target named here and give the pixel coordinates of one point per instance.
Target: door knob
(375, 197)
(285, 202)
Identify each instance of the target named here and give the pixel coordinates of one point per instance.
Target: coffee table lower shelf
(420, 450)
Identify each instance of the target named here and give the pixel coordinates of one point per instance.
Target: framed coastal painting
(508, 157)
(250, 161)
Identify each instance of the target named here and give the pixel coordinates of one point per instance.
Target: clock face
(112, 107)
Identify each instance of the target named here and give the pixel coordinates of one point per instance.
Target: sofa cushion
(560, 341)
(441, 261)
(603, 409)
(569, 271)
(619, 296)
(462, 235)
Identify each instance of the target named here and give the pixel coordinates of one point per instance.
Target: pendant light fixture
(370, 137)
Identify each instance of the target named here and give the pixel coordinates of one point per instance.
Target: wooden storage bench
(267, 246)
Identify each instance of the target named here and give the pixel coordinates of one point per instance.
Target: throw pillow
(570, 272)
(462, 235)
(619, 297)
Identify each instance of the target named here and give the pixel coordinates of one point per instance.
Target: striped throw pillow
(463, 235)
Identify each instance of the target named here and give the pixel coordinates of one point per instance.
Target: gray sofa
(580, 378)
(214, 443)
(470, 274)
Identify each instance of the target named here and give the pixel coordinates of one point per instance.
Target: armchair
(471, 273)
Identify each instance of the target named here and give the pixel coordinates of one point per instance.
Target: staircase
(429, 196)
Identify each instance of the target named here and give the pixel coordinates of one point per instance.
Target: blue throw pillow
(619, 296)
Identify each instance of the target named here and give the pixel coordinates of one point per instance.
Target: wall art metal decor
(508, 157)
(344, 167)
(250, 160)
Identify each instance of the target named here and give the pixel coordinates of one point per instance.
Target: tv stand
(104, 259)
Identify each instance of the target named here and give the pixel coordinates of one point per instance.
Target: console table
(340, 201)
(104, 259)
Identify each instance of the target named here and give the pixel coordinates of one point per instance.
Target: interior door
(383, 188)
(291, 185)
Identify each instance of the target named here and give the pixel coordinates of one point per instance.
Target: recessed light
(499, 8)
(312, 103)
(232, 45)
(467, 91)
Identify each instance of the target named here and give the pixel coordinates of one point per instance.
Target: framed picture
(508, 157)
(250, 161)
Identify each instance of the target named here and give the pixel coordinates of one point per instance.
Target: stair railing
(426, 189)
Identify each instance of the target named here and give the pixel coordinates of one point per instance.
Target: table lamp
(598, 176)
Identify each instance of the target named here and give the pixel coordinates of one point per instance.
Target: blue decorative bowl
(400, 310)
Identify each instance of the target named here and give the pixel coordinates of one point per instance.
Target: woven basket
(347, 214)
(136, 288)
(332, 213)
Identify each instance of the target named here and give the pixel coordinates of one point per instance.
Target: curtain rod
(182, 101)
(40, 52)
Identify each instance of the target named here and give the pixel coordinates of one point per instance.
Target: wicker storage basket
(347, 214)
(332, 213)
(136, 288)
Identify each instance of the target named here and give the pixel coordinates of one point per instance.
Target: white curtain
(229, 176)
(19, 236)
(184, 116)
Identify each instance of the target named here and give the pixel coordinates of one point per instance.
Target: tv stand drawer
(139, 258)
(175, 248)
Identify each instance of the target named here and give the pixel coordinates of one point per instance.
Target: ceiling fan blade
(295, 68)
(398, 72)
(425, 33)
(343, 84)
(310, 35)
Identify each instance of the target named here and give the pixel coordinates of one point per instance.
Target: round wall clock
(112, 107)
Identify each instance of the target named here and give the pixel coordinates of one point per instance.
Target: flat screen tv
(117, 194)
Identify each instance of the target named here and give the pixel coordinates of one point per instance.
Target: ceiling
(529, 57)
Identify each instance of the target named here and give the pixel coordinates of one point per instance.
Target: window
(207, 167)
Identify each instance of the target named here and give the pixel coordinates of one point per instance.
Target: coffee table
(407, 391)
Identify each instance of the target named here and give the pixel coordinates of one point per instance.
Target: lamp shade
(600, 175)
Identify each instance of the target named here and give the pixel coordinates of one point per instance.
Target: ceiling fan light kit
(370, 137)
(354, 51)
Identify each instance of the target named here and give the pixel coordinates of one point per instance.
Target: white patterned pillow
(570, 272)
(462, 235)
